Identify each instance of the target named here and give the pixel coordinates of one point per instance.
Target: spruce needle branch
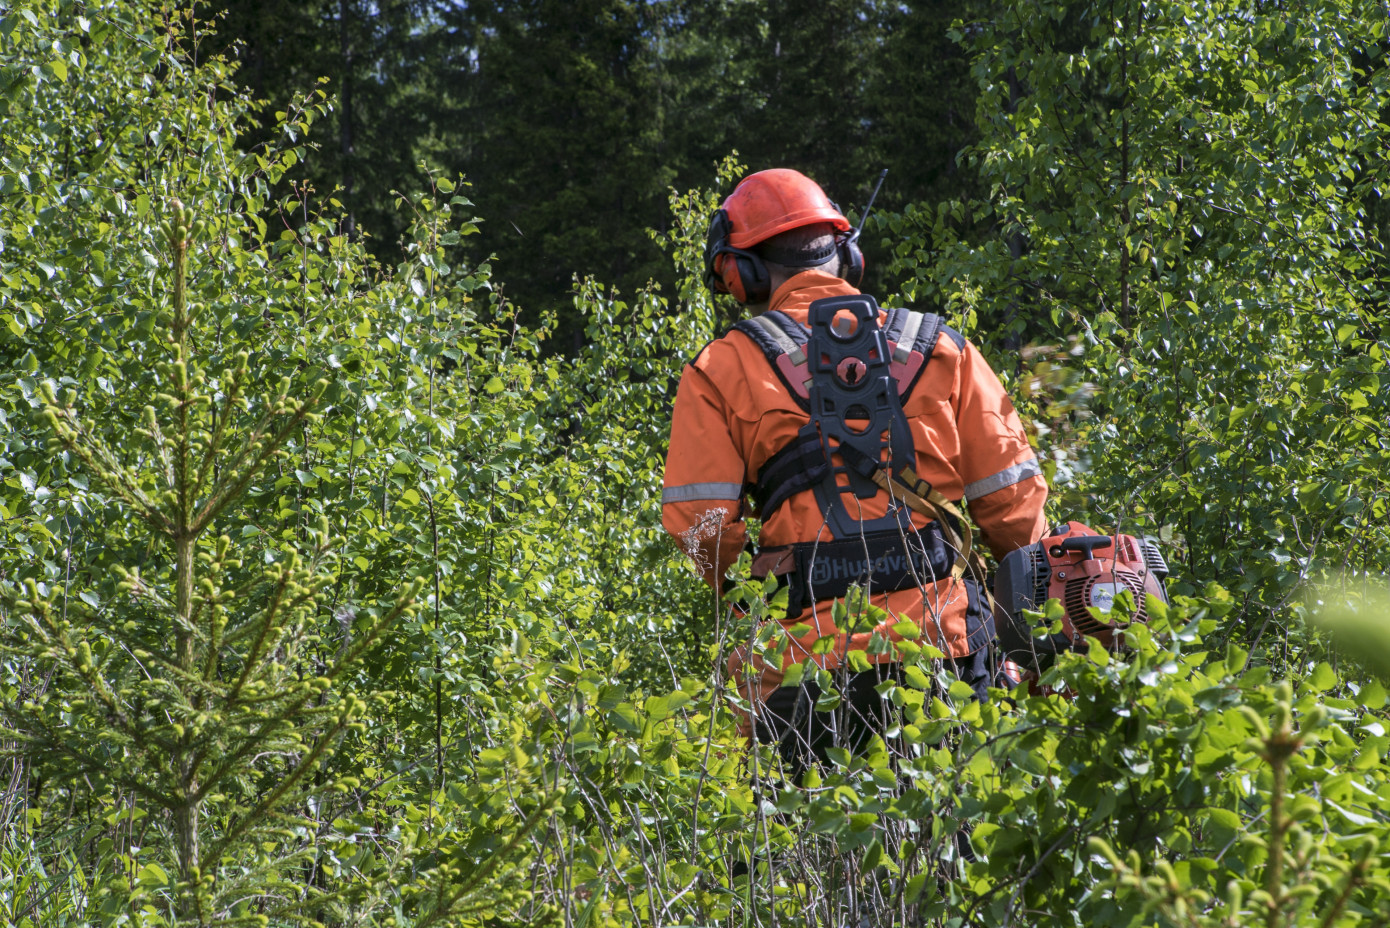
(272, 799)
(102, 464)
(1355, 877)
(230, 402)
(444, 909)
(77, 658)
(61, 743)
(403, 605)
(257, 739)
(267, 625)
(259, 447)
(294, 707)
(161, 447)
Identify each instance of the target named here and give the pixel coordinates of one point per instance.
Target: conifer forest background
(337, 347)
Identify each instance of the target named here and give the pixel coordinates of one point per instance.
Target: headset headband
(816, 259)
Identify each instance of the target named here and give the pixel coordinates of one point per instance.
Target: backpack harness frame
(848, 368)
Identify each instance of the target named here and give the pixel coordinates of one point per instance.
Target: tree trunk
(186, 814)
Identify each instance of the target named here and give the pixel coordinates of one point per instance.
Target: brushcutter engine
(1084, 571)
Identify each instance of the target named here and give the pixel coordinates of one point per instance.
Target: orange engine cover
(1086, 572)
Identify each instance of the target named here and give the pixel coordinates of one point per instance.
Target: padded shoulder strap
(775, 334)
(912, 338)
(783, 343)
(893, 324)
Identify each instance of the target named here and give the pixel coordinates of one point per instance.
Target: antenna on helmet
(873, 196)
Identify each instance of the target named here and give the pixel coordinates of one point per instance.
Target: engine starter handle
(1086, 544)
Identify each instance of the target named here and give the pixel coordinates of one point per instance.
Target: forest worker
(751, 420)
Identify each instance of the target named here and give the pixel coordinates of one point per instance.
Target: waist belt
(880, 560)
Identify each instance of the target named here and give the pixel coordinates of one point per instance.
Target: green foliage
(179, 728)
(224, 700)
(188, 640)
(1172, 761)
(1163, 759)
(1189, 191)
(1351, 615)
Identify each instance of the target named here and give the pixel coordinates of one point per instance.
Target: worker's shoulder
(727, 352)
(951, 335)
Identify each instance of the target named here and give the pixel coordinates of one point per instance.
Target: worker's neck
(778, 278)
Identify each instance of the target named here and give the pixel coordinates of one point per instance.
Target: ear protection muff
(733, 270)
(851, 259)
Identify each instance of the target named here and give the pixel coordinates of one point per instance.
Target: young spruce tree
(203, 689)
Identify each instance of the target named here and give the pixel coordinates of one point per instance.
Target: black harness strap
(783, 342)
(842, 373)
(881, 561)
(911, 338)
(894, 324)
(800, 465)
(920, 335)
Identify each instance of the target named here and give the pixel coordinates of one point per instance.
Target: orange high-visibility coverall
(732, 413)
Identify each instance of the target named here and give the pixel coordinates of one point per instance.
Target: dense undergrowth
(329, 596)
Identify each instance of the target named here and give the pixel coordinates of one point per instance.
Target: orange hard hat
(773, 201)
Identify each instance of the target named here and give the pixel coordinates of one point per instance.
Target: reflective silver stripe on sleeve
(694, 491)
(792, 349)
(905, 340)
(1005, 478)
